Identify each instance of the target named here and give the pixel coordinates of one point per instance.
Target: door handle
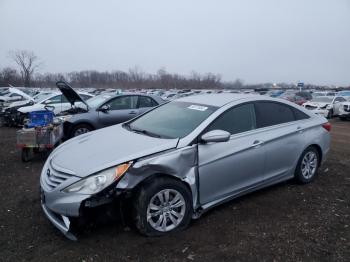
(300, 129)
(257, 143)
(132, 113)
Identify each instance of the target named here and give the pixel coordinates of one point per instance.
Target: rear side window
(236, 120)
(300, 115)
(145, 101)
(269, 114)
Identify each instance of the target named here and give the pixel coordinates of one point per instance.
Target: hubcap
(81, 131)
(309, 165)
(166, 210)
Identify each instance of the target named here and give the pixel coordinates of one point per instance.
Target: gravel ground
(286, 222)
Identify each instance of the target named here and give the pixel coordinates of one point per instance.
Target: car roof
(217, 100)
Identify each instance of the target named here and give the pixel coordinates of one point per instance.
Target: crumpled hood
(104, 148)
(317, 104)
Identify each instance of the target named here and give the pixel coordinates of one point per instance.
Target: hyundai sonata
(182, 158)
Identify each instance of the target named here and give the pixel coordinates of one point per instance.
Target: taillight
(327, 126)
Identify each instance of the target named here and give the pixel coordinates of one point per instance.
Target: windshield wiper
(141, 131)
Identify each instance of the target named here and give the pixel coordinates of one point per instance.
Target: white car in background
(328, 106)
(344, 111)
(12, 95)
(55, 102)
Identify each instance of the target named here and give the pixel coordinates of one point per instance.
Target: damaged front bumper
(61, 222)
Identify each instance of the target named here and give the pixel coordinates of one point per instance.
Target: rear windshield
(172, 120)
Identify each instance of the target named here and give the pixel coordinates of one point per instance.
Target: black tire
(299, 176)
(342, 118)
(330, 114)
(78, 127)
(147, 192)
(26, 154)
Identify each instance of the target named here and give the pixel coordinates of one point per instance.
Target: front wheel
(80, 129)
(163, 206)
(308, 165)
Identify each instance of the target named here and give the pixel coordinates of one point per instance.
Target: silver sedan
(182, 158)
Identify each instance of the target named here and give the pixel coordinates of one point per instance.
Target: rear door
(230, 167)
(121, 109)
(282, 127)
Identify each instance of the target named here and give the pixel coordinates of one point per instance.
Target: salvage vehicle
(56, 102)
(181, 159)
(11, 95)
(14, 118)
(106, 110)
(344, 111)
(328, 106)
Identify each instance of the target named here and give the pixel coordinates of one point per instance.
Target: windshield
(172, 120)
(323, 99)
(97, 100)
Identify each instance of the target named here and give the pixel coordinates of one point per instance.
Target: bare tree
(27, 62)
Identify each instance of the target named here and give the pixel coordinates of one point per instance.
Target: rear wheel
(308, 165)
(162, 206)
(81, 129)
(342, 118)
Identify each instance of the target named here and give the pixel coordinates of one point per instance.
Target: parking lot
(286, 222)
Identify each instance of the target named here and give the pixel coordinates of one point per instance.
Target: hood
(21, 103)
(317, 104)
(19, 92)
(104, 148)
(69, 93)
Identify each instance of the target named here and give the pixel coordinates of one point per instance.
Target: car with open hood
(57, 102)
(181, 159)
(106, 110)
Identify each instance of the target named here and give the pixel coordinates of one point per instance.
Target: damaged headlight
(62, 118)
(99, 181)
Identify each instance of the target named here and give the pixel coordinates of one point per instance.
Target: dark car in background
(106, 110)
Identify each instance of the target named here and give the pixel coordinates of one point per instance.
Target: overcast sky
(254, 40)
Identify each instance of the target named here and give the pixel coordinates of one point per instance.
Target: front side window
(272, 113)
(236, 120)
(54, 100)
(339, 99)
(122, 103)
(172, 120)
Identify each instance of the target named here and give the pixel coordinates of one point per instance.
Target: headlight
(63, 118)
(99, 181)
(324, 107)
(328, 106)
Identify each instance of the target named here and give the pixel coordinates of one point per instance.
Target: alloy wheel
(166, 210)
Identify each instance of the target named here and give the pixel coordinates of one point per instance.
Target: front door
(228, 168)
(121, 109)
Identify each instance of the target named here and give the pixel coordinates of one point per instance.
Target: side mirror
(104, 108)
(216, 136)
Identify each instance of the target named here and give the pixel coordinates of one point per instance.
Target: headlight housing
(63, 118)
(95, 183)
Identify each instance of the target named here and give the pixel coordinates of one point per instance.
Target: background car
(106, 110)
(56, 102)
(328, 106)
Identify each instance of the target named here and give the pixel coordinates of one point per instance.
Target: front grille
(346, 108)
(53, 178)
